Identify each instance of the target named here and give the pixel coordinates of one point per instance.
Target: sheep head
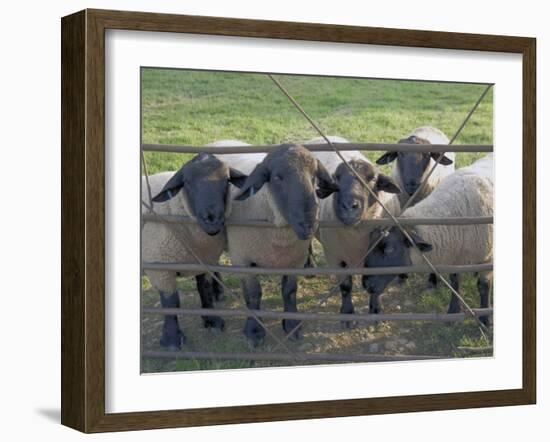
(393, 250)
(413, 166)
(292, 174)
(204, 185)
(352, 200)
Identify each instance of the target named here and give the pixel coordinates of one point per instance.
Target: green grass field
(195, 108)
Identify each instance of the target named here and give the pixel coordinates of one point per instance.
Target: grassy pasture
(195, 108)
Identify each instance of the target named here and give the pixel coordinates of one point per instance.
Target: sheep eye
(278, 177)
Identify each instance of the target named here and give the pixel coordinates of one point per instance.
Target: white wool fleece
(466, 193)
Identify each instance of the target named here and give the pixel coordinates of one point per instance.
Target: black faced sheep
(466, 193)
(200, 189)
(350, 204)
(411, 168)
(281, 188)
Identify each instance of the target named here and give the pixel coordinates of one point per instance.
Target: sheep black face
(393, 250)
(205, 183)
(292, 173)
(412, 166)
(351, 199)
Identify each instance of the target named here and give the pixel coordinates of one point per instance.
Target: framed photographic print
(267, 220)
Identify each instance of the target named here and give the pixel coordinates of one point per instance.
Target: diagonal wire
(482, 326)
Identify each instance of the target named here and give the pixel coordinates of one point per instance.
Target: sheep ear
(237, 178)
(421, 244)
(385, 184)
(387, 158)
(445, 161)
(326, 186)
(171, 188)
(254, 182)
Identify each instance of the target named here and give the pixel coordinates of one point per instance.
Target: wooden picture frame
(83, 219)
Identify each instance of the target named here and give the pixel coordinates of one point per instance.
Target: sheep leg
(375, 306)
(252, 290)
(218, 288)
(205, 288)
(289, 287)
(172, 337)
(454, 305)
(346, 286)
(432, 281)
(484, 289)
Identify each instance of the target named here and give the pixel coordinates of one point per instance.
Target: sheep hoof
(296, 336)
(432, 281)
(213, 322)
(172, 341)
(254, 332)
(347, 310)
(294, 327)
(347, 325)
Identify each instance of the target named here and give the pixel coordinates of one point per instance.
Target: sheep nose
(212, 217)
(351, 205)
(411, 186)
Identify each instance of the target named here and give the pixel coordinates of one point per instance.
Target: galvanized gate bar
(198, 268)
(259, 356)
(398, 317)
(220, 150)
(449, 221)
